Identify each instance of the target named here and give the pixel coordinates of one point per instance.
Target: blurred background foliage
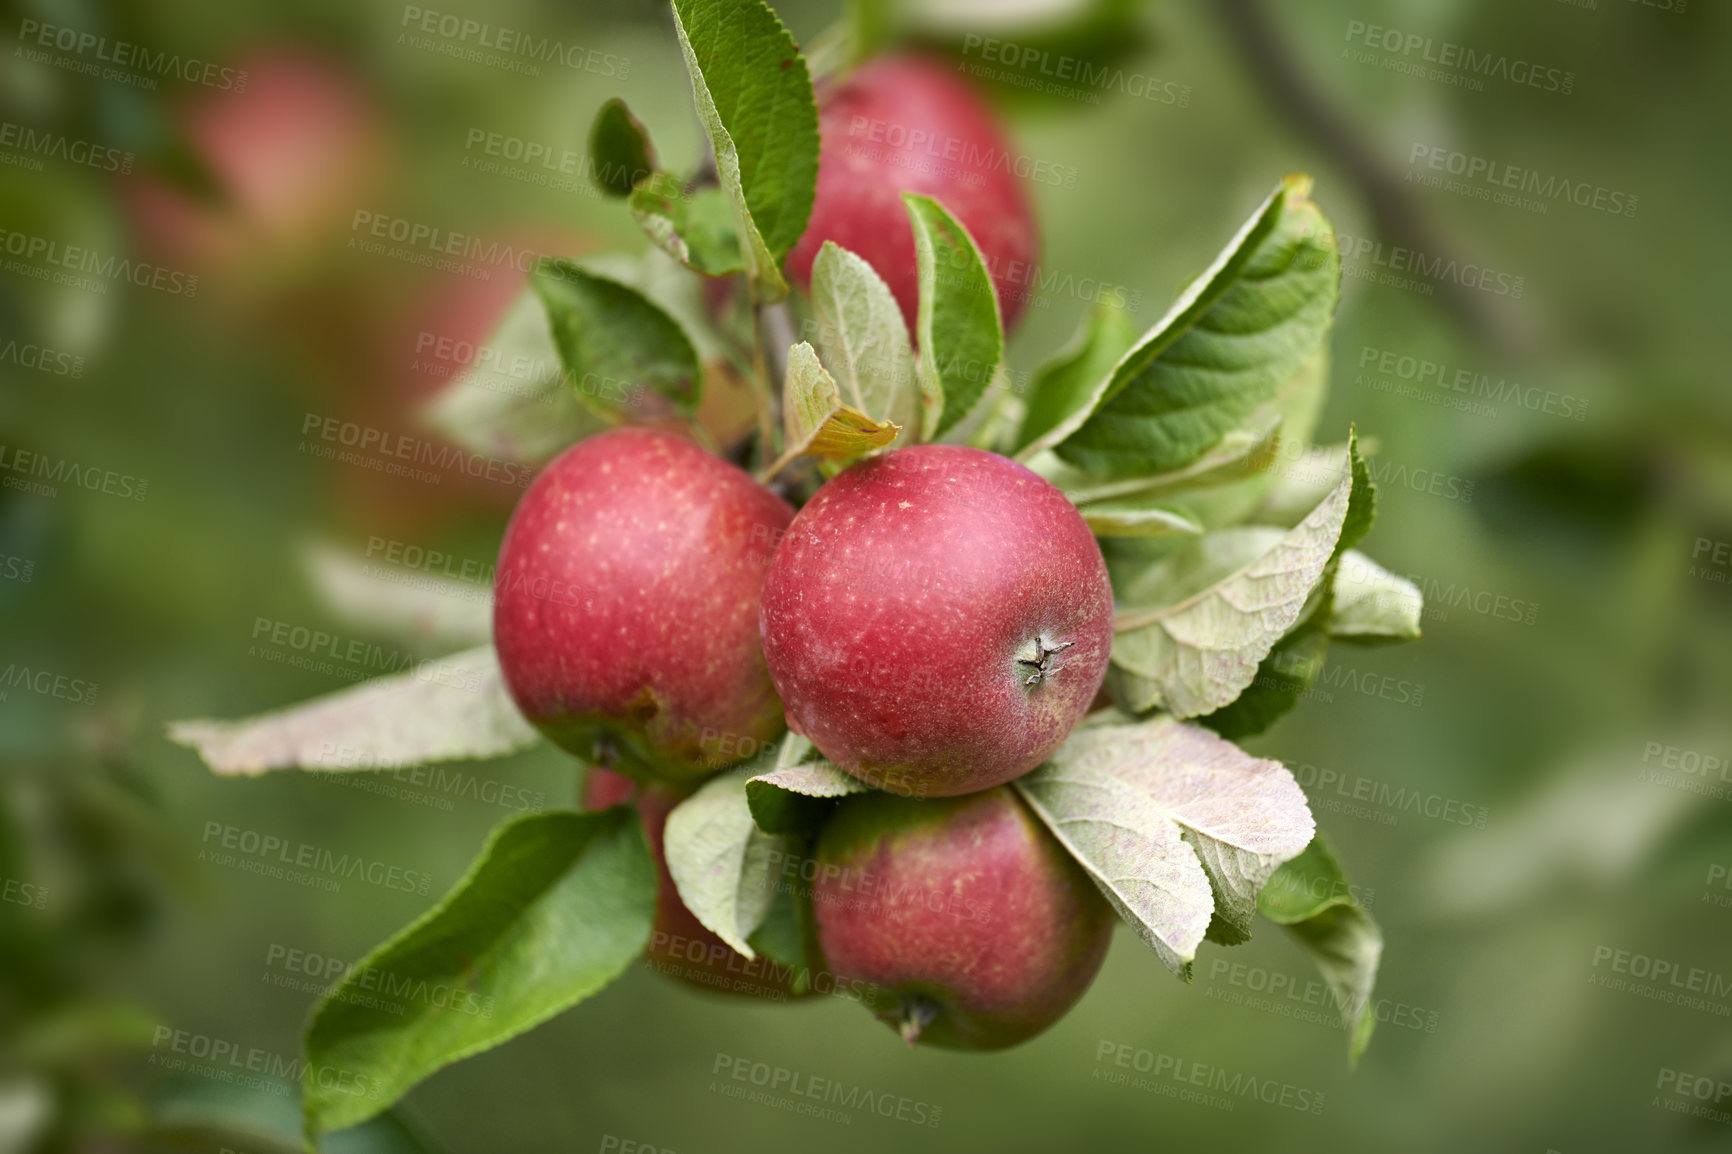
(116, 926)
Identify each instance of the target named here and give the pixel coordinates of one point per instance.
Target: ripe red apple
(909, 123)
(626, 605)
(937, 619)
(972, 919)
(680, 946)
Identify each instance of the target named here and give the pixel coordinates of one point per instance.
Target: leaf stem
(772, 333)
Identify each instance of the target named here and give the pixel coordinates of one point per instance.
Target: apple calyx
(914, 1012)
(1038, 652)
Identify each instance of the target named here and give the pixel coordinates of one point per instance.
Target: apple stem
(1040, 656)
(914, 1015)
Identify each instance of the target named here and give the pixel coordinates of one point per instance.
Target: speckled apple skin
(868, 155)
(966, 901)
(680, 947)
(626, 605)
(896, 606)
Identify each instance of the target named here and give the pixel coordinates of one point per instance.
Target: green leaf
(1245, 452)
(513, 402)
(720, 860)
(1066, 385)
(796, 799)
(614, 342)
(957, 325)
(1292, 666)
(433, 611)
(1238, 816)
(556, 907)
(1196, 644)
(817, 423)
(619, 149)
(1139, 519)
(1312, 897)
(696, 229)
(1282, 680)
(446, 708)
(1372, 606)
(861, 336)
(1235, 336)
(754, 97)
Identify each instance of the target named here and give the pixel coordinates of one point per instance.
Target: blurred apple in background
(290, 155)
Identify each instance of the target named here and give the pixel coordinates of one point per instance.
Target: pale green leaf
(720, 859)
(1199, 649)
(442, 709)
(861, 336)
(1373, 605)
(696, 229)
(513, 401)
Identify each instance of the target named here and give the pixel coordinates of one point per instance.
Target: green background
(1498, 1034)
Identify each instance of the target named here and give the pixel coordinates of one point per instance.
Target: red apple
(626, 605)
(966, 912)
(680, 946)
(937, 619)
(908, 123)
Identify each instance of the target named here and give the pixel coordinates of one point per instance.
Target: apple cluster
(934, 620)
